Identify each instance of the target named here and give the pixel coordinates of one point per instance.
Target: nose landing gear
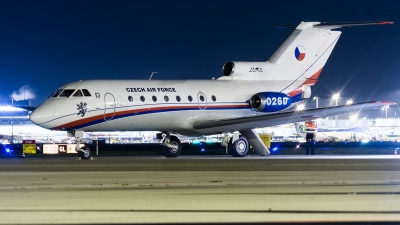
(83, 152)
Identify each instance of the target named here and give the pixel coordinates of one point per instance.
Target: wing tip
(385, 22)
(384, 102)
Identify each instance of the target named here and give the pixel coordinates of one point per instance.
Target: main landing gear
(83, 151)
(171, 145)
(238, 146)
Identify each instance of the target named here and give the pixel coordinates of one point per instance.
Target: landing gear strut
(83, 151)
(171, 145)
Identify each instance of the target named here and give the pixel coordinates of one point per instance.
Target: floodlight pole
(316, 101)
(386, 110)
(12, 127)
(335, 97)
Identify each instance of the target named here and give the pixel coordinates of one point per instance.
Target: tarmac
(199, 189)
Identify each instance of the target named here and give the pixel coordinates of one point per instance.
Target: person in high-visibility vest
(311, 128)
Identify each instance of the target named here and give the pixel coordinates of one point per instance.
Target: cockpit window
(66, 93)
(78, 93)
(56, 93)
(86, 92)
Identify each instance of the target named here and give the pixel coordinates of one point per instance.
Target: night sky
(45, 44)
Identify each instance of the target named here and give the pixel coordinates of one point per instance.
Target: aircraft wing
(268, 120)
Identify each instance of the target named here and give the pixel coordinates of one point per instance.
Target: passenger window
(178, 98)
(86, 92)
(213, 98)
(78, 93)
(56, 93)
(154, 98)
(142, 98)
(66, 93)
(202, 98)
(166, 98)
(130, 98)
(190, 98)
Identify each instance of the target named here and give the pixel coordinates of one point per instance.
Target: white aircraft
(250, 95)
(343, 134)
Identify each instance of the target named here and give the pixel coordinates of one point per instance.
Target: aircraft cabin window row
(68, 92)
(166, 98)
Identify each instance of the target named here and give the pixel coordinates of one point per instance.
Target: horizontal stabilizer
(336, 25)
(340, 25)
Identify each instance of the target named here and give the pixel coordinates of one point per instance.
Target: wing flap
(267, 120)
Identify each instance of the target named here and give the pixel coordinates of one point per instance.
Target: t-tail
(298, 61)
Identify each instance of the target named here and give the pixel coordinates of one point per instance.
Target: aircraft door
(109, 106)
(202, 100)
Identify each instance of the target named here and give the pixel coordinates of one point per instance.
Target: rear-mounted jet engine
(270, 101)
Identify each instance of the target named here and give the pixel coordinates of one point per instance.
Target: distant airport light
(349, 102)
(335, 96)
(353, 117)
(10, 109)
(300, 107)
(196, 142)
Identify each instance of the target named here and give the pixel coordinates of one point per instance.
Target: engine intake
(228, 68)
(270, 101)
(243, 69)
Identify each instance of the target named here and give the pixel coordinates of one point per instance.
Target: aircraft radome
(249, 95)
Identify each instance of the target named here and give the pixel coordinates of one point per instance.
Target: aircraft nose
(42, 114)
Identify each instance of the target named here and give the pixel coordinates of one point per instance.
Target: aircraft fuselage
(148, 105)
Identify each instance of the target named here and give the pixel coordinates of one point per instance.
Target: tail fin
(298, 62)
(304, 53)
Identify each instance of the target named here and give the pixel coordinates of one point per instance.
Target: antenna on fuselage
(152, 75)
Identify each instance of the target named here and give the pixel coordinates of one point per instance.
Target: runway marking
(203, 211)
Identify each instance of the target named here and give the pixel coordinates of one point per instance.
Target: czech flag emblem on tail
(300, 53)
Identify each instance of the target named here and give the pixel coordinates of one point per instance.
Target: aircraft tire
(85, 155)
(172, 152)
(239, 148)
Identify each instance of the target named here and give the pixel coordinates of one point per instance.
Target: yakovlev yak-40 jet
(249, 95)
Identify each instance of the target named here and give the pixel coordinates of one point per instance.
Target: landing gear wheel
(175, 151)
(85, 154)
(239, 148)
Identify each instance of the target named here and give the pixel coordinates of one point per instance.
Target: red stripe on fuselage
(138, 111)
